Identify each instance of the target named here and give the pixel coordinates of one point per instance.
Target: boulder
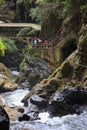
(38, 101)
(6, 84)
(67, 101)
(4, 120)
(4, 70)
(25, 117)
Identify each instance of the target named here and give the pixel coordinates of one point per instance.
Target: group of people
(36, 42)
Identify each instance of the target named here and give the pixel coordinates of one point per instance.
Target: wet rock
(21, 110)
(67, 101)
(58, 105)
(38, 101)
(4, 120)
(25, 117)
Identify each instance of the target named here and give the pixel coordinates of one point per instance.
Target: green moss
(83, 42)
(65, 69)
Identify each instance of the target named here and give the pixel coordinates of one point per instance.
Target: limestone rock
(6, 84)
(4, 70)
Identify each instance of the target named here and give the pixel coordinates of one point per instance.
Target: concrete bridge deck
(35, 26)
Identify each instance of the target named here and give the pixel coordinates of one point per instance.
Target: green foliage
(35, 14)
(21, 64)
(2, 48)
(2, 2)
(28, 31)
(10, 45)
(42, 12)
(24, 31)
(48, 1)
(83, 7)
(71, 6)
(28, 53)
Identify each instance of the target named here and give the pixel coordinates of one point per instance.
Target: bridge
(11, 29)
(19, 25)
(49, 51)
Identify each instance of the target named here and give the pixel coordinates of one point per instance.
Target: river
(68, 122)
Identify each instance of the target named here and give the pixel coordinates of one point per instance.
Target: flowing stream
(68, 122)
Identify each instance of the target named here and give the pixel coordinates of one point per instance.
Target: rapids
(45, 122)
(68, 122)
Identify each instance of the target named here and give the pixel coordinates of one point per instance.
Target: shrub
(24, 31)
(10, 45)
(2, 48)
(83, 7)
(2, 2)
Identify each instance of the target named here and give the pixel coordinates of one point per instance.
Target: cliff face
(70, 38)
(67, 86)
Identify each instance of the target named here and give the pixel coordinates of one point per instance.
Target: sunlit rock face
(6, 84)
(4, 120)
(4, 70)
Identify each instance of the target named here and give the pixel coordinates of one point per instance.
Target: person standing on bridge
(46, 43)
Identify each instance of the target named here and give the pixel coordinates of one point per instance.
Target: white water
(68, 122)
(14, 98)
(16, 73)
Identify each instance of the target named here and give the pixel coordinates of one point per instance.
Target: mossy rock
(83, 42)
(64, 71)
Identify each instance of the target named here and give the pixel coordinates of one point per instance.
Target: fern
(10, 45)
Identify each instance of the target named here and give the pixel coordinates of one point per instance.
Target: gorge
(43, 65)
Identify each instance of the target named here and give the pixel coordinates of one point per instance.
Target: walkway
(35, 26)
